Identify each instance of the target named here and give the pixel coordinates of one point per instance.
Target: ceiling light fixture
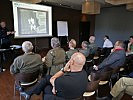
(129, 6)
(119, 2)
(91, 7)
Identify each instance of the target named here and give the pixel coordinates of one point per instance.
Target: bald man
(70, 85)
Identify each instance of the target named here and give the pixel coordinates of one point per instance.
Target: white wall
(116, 22)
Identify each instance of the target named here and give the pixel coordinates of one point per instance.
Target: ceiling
(74, 4)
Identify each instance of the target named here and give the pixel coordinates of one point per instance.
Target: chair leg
(110, 83)
(20, 97)
(97, 93)
(15, 89)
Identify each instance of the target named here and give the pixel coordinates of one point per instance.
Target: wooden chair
(104, 83)
(91, 89)
(25, 80)
(92, 86)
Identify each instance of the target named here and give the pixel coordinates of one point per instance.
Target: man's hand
(67, 67)
(95, 67)
(13, 32)
(43, 59)
(53, 90)
(129, 43)
(8, 33)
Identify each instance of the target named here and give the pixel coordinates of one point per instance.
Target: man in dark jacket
(4, 35)
(115, 59)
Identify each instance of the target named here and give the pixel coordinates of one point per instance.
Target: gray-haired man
(28, 62)
(84, 50)
(55, 58)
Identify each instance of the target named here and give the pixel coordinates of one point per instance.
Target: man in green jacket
(29, 62)
(55, 58)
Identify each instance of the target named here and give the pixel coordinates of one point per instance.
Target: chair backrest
(26, 77)
(92, 85)
(104, 76)
(90, 57)
(94, 76)
(116, 70)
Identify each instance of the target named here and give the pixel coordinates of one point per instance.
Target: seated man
(55, 58)
(115, 59)
(130, 44)
(92, 46)
(29, 62)
(84, 50)
(107, 46)
(123, 85)
(62, 86)
(72, 50)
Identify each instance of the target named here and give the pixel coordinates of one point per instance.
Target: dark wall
(117, 22)
(72, 16)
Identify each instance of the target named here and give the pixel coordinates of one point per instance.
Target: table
(3, 51)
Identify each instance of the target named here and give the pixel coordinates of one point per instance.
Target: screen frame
(35, 7)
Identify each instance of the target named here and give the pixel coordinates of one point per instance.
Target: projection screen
(32, 20)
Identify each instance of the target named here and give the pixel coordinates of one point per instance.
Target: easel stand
(35, 45)
(61, 38)
(1, 56)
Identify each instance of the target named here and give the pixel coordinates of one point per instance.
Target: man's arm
(14, 67)
(60, 73)
(49, 59)
(108, 61)
(128, 48)
(104, 44)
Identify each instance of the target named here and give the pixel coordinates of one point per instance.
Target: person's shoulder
(59, 48)
(51, 51)
(119, 53)
(19, 57)
(37, 55)
(67, 52)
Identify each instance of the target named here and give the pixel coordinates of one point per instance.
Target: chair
(116, 74)
(89, 63)
(103, 84)
(25, 80)
(96, 60)
(92, 86)
(105, 76)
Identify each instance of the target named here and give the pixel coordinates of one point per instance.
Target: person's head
(131, 39)
(27, 46)
(84, 45)
(55, 42)
(106, 37)
(92, 39)
(77, 61)
(119, 44)
(2, 23)
(72, 43)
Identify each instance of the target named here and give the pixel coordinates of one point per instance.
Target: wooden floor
(6, 86)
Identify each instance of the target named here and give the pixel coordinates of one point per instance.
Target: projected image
(32, 22)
